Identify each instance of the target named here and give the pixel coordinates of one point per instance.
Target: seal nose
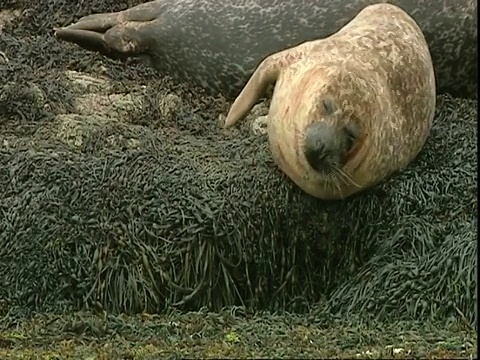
(322, 145)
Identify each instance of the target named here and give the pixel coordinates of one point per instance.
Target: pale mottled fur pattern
(379, 72)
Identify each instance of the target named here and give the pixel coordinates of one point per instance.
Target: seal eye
(329, 106)
(351, 134)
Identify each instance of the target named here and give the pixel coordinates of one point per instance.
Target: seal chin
(327, 146)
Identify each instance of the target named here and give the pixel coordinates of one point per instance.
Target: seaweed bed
(132, 226)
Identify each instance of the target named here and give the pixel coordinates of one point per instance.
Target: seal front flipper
(266, 73)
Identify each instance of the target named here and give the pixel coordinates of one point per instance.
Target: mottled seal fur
(349, 110)
(217, 44)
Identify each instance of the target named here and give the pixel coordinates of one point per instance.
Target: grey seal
(217, 44)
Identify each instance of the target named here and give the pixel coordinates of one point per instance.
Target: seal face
(349, 110)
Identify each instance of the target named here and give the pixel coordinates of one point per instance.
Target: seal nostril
(317, 159)
(320, 140)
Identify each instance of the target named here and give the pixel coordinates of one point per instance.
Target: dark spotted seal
(349, 110)
(217, 44)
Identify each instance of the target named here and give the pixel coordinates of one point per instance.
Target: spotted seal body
(349, 110)
(217, 44)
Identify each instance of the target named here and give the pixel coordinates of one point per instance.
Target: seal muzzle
(327, 146)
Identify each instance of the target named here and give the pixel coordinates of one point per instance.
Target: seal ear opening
(352, 133)
(329, 106)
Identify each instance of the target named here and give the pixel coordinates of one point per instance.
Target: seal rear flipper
(99, 23)
(119, 42)
(89, 40)
(102, 22)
